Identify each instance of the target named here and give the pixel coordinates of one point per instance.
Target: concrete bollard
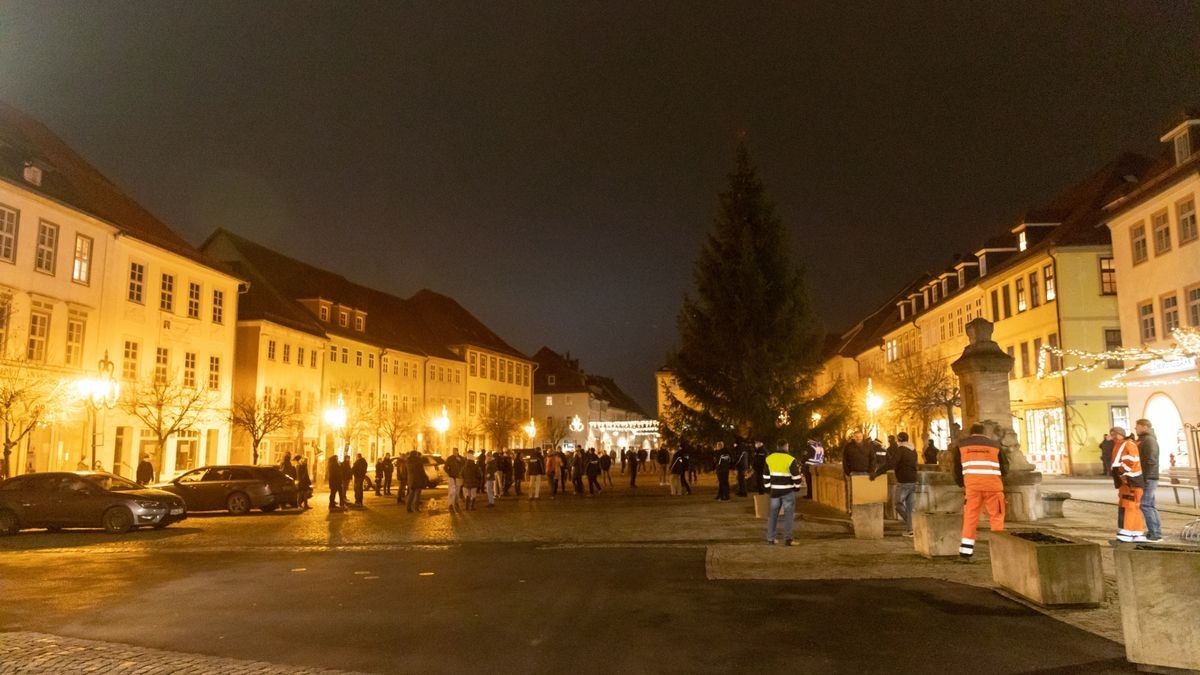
(868, 521)
(937, 534)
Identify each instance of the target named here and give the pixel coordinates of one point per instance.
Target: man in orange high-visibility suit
(1129, 481)
(978, 468)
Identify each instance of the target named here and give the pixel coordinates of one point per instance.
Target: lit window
(47, 248)
(75, 325)
(1048, 279)
(1022, 241)
(1108, 277)
(1021, 304)
(81, 271)
(549, 401)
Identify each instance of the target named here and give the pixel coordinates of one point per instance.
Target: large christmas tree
(749, 345)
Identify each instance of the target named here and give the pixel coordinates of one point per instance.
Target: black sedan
(84, 499)
(234, 488)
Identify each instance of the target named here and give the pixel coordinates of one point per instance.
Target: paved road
(615, 583)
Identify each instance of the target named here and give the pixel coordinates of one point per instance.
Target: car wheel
(269, 508)
(9, 523)
(238, 504)
(117, 520)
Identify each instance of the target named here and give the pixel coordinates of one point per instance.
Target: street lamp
(336, 417)
(874, 402)
(441, 425)
(531, 430)
(101, 392)
(816, 418)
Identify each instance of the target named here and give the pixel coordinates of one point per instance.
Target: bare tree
(922, 390)
(467, 432)
(259, 420)
(27, 394)
(557, 431)
(500, 424)
(395, 425)
(166, 407)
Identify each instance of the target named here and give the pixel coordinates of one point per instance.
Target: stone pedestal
(937, 534)
(868, 521)
(1022, 492)
(1047, 568)
(1160, 603)
(863, 490)
(936, 491)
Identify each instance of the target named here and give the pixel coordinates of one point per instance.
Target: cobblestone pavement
(30, 653)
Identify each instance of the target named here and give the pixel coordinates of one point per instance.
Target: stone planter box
(937, 534)
(762, 504)
(1160, 603)
(1047, 568)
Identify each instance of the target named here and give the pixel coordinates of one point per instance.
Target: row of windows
(1160, 230)
(286, 354)
(498, 369)
(167, 291)
(130, 366)
(1026, 354)
(360, 320)
(45, 255)
(37, 347)
(281, 401)
(479, 403)
(1169, 314)
(1029, 291)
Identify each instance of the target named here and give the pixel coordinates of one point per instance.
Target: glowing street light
(101, 392)
(874, 402)
(531, 430)
(335, 417)
(816, 418)
(441, 425)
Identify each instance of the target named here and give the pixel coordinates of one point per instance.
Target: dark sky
(554, 166)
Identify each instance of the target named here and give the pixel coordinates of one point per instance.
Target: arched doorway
(1168, 429)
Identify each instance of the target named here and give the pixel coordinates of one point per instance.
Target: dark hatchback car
(234, 488)
(84, 499)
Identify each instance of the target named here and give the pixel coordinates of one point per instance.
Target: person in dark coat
(287, 467)
(388, 470)
(902, 459)
(930, 452)
(303, 483)
(378, 476)
(337, 488)
(741, 465)
(724, 462)
(606, 462)
(347, 471)
(577, 468)
(633, 469)
(758, 460)
(1106, 450)
(518, 471)
(415, 465)
(359, 472)
(145, 471)
(679, 467)
(471, 477)
(592, 470)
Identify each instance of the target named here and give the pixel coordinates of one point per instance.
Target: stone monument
(983, 371)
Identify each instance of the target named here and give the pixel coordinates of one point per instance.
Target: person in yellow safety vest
(782, 480)
(978, 468)
(1130, 483)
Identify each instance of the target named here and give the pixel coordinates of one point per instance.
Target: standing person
(453, 469)
(145, 470)
(388, 470)
(642, 455)
(633, 470)
(1106, 450)
(1148, 453)
(378, 476)
(741, 466)
(401, 464)
(903, 460)
(333, 476)
(679, 467)
(359, 471)
(782, 480)
(471, 476)
(519, 469)
(931, 452)
(859, 457)
(592, 469)
(814, 457)
(553, 465)
(758, 463)
(347, 471)
(537, 469)
(662, 458)
(578, 466)
(606, 462)
(491, 476)
(724, 462)
(303, 483)
(286, 466)
(415, 465)
(624, 459)
(505, 466)
(979, 466)
(1130, 482)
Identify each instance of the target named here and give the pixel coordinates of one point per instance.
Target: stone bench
(1052, 503)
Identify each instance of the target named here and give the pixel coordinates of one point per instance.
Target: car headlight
(150, 505)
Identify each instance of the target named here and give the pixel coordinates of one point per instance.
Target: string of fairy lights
(1181, 356)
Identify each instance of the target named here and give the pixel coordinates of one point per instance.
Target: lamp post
(442, 424)
(874, 402)
(100, 392)
(335, 417)
(531, 431)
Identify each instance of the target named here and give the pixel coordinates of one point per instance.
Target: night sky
(554, 166)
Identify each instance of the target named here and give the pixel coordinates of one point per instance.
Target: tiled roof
(608, 390)
(69, 179)
(567, 375)
(449, 323)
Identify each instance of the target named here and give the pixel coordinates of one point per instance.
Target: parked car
(435, 472)
(234, 488)
(84, 499)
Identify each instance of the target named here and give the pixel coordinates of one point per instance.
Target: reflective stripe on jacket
(981, 470)
(1127, 460)
(781, 474)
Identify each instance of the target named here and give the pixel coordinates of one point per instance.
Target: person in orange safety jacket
(979, 467)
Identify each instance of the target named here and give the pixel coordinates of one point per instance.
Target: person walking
(145, 470)
(930, 452)
(415, 466)
(592, 470)
(471, 477)
(1148, 453)
(781, 479)
(979, 467)
(902, 459)
(303, 483)
(453, 469)
(1130, 481)
(537, 469)
(333, 477)
(359, 471)
(724, 461)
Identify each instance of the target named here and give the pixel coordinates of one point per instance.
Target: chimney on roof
(32, 173)
(1185, 136)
